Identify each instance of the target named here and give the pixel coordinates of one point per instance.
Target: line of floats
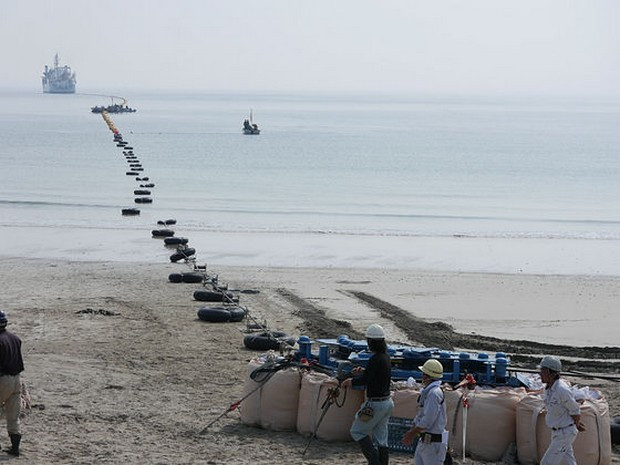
(326, 353)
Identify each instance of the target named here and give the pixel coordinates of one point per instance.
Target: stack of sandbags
(592, 446)
(491, 421)
(273, 406)
(338, 419)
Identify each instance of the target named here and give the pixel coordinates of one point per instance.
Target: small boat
(249, 127)
(114, 107)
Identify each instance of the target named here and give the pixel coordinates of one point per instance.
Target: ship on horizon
(59, 79)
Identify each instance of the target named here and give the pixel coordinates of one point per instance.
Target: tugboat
(249, 127)
(59, 79)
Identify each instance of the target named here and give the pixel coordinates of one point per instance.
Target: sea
(508, 184)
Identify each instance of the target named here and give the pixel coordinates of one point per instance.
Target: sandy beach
(138, 385)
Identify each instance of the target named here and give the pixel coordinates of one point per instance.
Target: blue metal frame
(485, 368)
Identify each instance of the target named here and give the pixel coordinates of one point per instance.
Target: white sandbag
(274, 405)
(592, 446)
(405, 403)
(250, 407)
(491, 421)
(279, 401)
(337, 422)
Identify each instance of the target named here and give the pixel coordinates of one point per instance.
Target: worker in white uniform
(430, 422)
(563, 415)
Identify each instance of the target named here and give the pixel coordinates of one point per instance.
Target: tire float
(130, 211)
(190, 277)
(268, 340)
(143, 200)
(193, 277)
(162, 232)
(150, 184)
(214, 314)
(141, 192)
(176, 240)
(143, 179)
(237, 314)
(131, 173)
(211, 296)
(182, 254)
(175, 277)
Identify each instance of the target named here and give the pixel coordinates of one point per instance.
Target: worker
(371, 420)
(430, 422)
(11, 365)
(563, 414)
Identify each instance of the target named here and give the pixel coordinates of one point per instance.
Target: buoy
(143, 200)
(204, 295)
(171, 221)
(267, 340)
(131, 173)
(193, 277)
(162, 232)
(181, 254)
(142, 192)
(214, 314)
(130, 211)
(175, 277)
(176, 240)
(148, 185)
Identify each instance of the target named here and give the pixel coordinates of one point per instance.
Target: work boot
(384, 455)
(369, 450)
(15, 440)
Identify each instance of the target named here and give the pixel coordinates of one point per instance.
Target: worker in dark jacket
(11, 365)
(371, 421)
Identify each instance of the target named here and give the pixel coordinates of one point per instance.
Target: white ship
(59, 79)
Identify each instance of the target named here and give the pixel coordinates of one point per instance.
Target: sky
(559, 47)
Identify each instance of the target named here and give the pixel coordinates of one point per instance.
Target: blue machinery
(335, 353)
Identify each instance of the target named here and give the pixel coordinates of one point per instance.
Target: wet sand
(138, 377)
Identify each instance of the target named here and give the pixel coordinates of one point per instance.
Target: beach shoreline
(140, 383)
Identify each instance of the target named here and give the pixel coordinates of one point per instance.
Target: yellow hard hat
(432, 368)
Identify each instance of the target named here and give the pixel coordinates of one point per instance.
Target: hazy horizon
(483, 47)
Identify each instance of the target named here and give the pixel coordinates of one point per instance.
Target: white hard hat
(552, 363)
(432, 368)
(375, 331)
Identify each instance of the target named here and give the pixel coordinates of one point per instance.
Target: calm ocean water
(408, 181)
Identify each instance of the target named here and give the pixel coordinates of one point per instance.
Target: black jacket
(11, 362)
(376, 377)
